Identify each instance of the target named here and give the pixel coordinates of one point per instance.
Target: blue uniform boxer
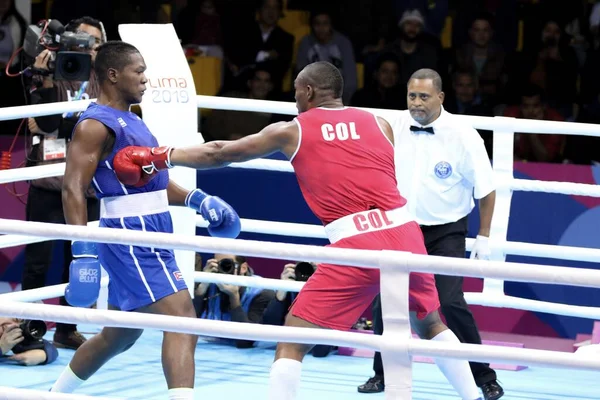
(138, 275)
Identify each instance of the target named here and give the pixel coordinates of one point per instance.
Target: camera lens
(303, 271)
(226, 266)
(33, 329)
(71, 66)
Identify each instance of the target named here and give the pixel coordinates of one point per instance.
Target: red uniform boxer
(344, 163)
(345, 168)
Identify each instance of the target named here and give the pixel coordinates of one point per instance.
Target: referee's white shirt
(440, 173)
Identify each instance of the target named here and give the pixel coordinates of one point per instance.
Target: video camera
(68, 65)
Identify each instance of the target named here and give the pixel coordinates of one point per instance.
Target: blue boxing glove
(222, 219)
(84, 275)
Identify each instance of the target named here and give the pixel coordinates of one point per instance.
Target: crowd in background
(533, 59)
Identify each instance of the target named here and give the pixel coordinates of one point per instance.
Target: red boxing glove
(136, 165)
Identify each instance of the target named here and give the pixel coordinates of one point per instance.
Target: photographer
(278, 307)
(228, 302)
(24, 339)
(49, 142)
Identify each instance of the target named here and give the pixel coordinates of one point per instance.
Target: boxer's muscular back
(344, 163)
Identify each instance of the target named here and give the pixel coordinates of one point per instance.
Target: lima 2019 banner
(535, 218)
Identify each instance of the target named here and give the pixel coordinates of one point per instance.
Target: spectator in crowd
(552, 65)
(466, 99)
(229, 124)
(198, 25)
(324, 43)
(506, 11)
(226, 302)
(433, 11)
(482, 56)
(534, 147)
(366, 23)
(586, 149)
(412, 48)
(27, 349)
(594, 24)
(278, 306)
(50, 137)
(264, 42)
(385, 91)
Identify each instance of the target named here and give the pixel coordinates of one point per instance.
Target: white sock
(284, 379)
(181, 394)
(457, 372)
(67, 382)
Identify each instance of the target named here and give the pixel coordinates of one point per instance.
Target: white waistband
(366, 221)
(133, 205)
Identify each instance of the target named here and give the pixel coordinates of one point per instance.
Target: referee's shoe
(491, 390)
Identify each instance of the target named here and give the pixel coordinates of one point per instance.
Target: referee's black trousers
(446, 240)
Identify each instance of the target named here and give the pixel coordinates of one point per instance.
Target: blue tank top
(129, 130)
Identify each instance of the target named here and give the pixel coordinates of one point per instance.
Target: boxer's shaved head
(323, 76)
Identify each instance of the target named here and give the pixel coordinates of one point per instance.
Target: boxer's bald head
(323, 76)
(318, 82)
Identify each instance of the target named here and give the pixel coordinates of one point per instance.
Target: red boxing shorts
(336, 296)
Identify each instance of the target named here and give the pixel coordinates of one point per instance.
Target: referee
(441, 164)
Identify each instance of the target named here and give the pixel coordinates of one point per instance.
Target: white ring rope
(41, 110)
(30, 173)
(205, 327)
(566, 188)
(515, 248)
(272, 333)
(504, 124)
(473, 298)
(318, 232)
(284, 251)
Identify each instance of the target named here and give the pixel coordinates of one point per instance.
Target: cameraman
(50, 137)
(26, 349)
(278, 307)
(228, 302)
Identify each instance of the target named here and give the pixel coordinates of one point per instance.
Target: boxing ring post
(395, 351)
(503, 170)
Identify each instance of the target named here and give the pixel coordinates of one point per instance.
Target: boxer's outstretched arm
(281, 136)
(83, 155)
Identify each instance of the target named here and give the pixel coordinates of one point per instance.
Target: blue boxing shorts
(138, 276)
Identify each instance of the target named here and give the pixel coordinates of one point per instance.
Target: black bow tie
(421, 129)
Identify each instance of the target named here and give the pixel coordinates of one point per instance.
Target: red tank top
(344, 163)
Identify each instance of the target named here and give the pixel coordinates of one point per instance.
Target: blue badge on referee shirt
(443, 169)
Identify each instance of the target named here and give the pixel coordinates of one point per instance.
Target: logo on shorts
(443, 170)
(178, 275)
